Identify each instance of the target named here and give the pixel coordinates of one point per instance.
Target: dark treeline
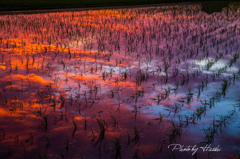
(17, 5)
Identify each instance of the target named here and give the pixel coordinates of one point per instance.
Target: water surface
(120, 83)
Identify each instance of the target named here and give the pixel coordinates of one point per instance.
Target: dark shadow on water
(214, 6)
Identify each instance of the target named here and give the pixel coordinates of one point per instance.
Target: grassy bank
(16, 5)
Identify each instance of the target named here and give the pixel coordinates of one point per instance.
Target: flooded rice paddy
(120, 83)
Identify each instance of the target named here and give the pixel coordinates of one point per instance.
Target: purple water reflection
(119, 83)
